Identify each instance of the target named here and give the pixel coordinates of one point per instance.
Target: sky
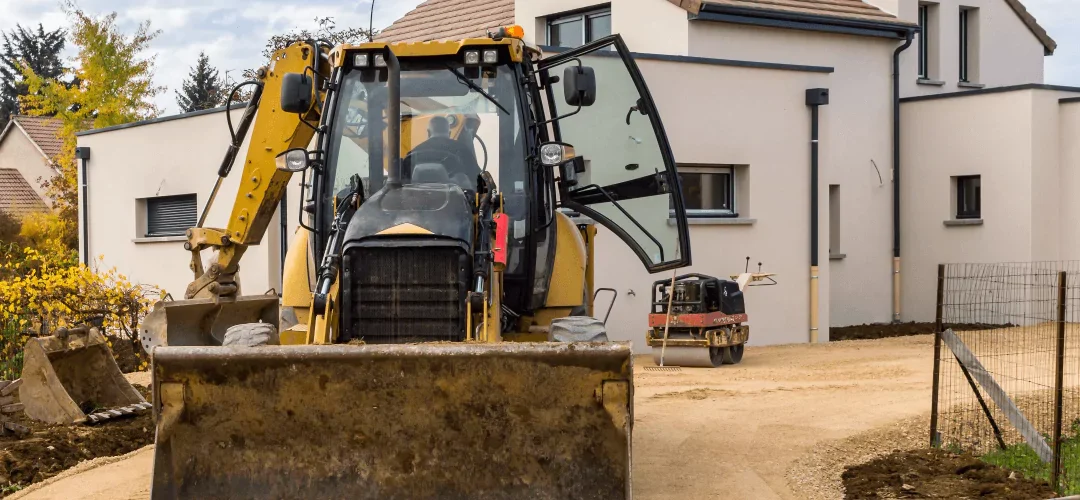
(234, 33)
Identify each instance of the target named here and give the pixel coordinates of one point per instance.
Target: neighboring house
(17, 197)
(730, 79)
(28, 145)
(137, 216)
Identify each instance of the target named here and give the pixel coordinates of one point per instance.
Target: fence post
(1059, 372)
(938, 327)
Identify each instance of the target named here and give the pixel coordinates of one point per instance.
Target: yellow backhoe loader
(433, 337)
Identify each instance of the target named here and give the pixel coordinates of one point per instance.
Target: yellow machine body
(504, 413)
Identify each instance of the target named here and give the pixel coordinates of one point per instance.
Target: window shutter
(171, 215)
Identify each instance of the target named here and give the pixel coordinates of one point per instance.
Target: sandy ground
(780, 425)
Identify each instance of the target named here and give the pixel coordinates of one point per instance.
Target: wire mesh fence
(1007, 366)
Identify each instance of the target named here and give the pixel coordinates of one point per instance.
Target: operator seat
(456, 158)
(430, 173)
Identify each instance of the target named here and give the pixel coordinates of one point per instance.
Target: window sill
(964, 222)
(970, 85)
(716, 221)
(927, 81)
(837, 256)
(159, 239)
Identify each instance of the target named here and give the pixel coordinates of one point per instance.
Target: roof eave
(13, 122)
(810, 22)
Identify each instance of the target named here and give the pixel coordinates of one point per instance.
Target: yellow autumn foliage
(41, 291)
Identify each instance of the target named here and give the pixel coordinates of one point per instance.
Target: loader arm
(262, 185)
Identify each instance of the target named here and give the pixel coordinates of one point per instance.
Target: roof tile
(17, 197)
(43, 131)
(450, 20)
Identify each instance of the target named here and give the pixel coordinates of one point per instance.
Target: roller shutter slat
(171, 215)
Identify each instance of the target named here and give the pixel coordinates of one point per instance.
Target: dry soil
(783, 424)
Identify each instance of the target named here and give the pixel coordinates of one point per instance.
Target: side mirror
(296, 92)
(579, 85)
(293, 160)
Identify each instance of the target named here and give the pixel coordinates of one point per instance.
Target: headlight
(293, 160)
(472, 57)
(380, 60)
(361, 60)
(553, 154)
(491, 56)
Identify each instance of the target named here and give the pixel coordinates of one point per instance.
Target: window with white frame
(575, 29)
(170, 215)
(708, 191)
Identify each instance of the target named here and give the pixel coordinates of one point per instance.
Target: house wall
(160, 159)
(17, 151)
(753, 117)
(1007, 52)
(1069, 155)
(652, 26)
(988, 135)
(856, 152)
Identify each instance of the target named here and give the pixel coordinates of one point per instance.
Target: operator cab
(422, 132)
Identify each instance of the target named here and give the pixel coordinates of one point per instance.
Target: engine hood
(427, 210)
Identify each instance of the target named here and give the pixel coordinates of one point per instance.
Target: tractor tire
(577, 329)
(251, 335)
(733, 354)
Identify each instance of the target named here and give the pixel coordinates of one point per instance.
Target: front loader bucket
(74, 379)
(446, 420)
(202, 322)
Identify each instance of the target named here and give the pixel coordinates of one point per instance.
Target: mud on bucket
(71, 377)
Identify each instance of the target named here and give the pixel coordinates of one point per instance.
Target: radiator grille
(402, 294)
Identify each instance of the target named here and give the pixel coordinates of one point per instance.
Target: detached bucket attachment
(448, 421)
(72, 378)
(202, 322)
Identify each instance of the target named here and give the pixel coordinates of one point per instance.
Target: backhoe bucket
(73, 378)
(202, 322)
(416, 421)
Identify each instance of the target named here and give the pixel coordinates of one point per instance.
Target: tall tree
(202, 89)
(327, 30)
(115, 87)
(37, 49)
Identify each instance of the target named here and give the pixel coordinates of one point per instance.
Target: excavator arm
(212, 300)
(262, 185)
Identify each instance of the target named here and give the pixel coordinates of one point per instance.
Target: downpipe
(83, 155)
(815, 98)
(896, 174)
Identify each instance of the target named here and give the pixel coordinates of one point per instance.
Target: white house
(730, 78)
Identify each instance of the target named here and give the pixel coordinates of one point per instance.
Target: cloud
(233, 34)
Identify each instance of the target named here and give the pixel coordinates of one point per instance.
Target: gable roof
(449, 20)
(17, 197)
(1049, 44)
(40, 130)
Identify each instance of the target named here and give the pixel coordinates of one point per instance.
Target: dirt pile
(889, 330)
(933, 473)
(50, 449)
